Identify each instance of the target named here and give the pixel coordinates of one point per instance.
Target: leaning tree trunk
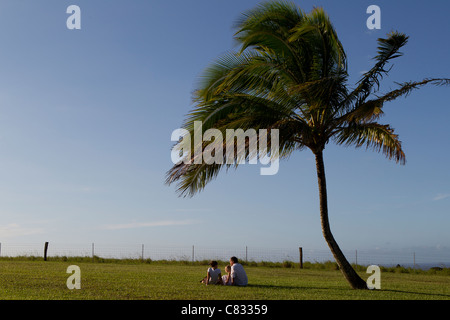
(349, 273)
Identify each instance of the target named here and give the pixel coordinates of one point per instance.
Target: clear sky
(86, 118)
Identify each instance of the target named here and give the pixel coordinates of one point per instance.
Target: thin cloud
(134, 225)
(441, 196)
(15, 230)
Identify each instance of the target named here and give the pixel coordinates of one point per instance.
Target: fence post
(356, 257)
(92, 251)
(45, 251)
(300, 249)
(192, 254)
(142, 252)
(246, 256)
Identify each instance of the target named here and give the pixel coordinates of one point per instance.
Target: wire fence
(245, 253)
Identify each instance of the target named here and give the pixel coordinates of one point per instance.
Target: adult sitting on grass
(238, 275)
(213, 274)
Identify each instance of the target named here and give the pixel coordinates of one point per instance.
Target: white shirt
(213, 275)
(224, 280)
(238, 274)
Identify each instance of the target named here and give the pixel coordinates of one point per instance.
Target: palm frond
(374, 136)
(372, 109)
(407, 87)
(317, 32)
(268, 26)
(388, 49)
(192, 177)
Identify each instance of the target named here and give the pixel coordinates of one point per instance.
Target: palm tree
(291, 74)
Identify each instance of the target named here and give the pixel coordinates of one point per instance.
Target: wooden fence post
(300, 249)
(45, 251)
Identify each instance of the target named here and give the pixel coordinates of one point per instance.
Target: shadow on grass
(419, 293)
(271, 286)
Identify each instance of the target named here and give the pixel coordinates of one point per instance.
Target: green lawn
(23, 280)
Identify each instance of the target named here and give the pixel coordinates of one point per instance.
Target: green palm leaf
(372, 135)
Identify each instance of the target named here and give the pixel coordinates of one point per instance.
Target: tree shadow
(271, 286)
(419, 293)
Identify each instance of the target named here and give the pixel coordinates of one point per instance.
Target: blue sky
(86, 118)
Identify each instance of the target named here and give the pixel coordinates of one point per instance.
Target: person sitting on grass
(238, 275)
(213, 274)
(226, 279)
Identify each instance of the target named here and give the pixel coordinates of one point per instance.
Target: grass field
(36, 280)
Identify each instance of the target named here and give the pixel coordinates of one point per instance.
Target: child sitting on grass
(213, 274)
(226, 279)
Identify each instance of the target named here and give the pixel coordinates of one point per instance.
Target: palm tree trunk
(349, 273)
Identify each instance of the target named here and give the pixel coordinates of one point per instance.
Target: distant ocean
(421, 266)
